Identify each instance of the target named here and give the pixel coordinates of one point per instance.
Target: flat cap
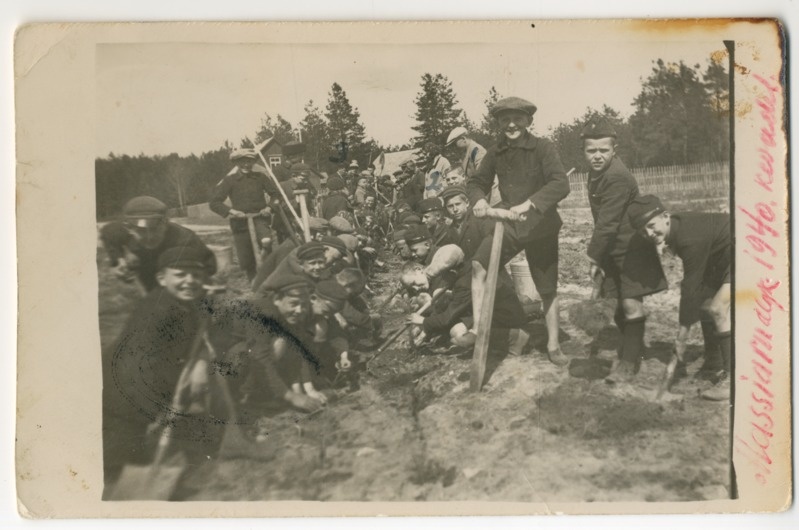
(311, 250)
(334, 242)
(417, 234)
(452, 191)
(318, 223)
(512, 103)
(335, 183)
(238, 154)
(643, 209)
(339, 224)
(144, 211)
(431, 204)
(353, 165)
(456, 133)
(185, 257)
(399, 235)
(285, 282)
(598, 128)
(331, 290)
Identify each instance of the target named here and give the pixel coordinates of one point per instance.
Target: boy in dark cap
(158, 344)
(135, 244)
(279, 347)
(336, 200)
(531, 183)
(703, 241)
(432, 212)
(466, 230)
(247, 188)
(420, 244)
(327, 325)
(627, 266)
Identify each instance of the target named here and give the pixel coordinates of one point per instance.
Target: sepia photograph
(396, 270)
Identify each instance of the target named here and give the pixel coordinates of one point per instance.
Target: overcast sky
(190, 98)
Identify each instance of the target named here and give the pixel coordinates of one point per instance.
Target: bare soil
(413, 431)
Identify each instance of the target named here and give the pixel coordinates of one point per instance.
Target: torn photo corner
(260, 218)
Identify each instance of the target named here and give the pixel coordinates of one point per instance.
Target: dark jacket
(470, 233)
(527, 169)
(703, 243)
(334, 203)
(118, 243)
(609, 195)
(246, 193)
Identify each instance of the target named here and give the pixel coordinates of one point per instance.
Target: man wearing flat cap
(619, 258)
(134, 244)
(703, 241)
(247, 188)
(532, 182)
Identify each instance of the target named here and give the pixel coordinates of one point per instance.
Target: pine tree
(343, 124)
(278, 127)
(436, 112)
(314, 136)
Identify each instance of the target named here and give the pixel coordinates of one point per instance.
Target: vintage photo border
(57, 183)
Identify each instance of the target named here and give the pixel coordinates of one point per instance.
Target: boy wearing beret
(532, 182)
(627, 266)
(158, 347)
(703, 241)
(247, 189)
(135, 244)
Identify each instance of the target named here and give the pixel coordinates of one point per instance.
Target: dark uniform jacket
(413, 190)
(527, 169)
(334, 203)
(118, 243)
(609, 195)
(246, 193)
(703, 243)
(470, 233)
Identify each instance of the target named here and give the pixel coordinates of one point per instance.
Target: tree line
(680, 117)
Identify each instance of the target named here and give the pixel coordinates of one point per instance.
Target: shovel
(157, 481)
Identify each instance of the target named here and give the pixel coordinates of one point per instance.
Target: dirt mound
(587, 411)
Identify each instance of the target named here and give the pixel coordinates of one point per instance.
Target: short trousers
(634, 274)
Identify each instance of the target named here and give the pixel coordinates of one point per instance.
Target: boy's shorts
(634, 274)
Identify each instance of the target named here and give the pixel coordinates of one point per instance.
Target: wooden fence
(697, 181)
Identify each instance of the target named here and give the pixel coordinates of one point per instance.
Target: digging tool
(388, 300)
(306, 218)
(276, 183)
(256, 247)
(594, 314)
(671, 368)
(394, 336)
(157, 481)
(288, 225)
(489, 294)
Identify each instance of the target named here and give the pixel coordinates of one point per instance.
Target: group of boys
(300, 328)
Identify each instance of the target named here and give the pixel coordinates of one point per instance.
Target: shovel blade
(137, 483)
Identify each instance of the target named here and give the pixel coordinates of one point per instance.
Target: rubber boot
(713, 359)
(632, 350)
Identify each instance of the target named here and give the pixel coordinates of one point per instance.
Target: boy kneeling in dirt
(362, 326)
(448, 270)
(276, 356)
(159, 347)
(703, 243)
(330, 344)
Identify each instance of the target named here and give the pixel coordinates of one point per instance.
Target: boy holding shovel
(627, 267)
(703, 242)
(531, 183)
